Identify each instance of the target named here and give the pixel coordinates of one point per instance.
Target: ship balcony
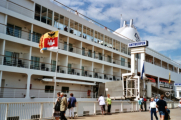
(108, 72)
(74, 67)
(164, 65)
(15, 57)
(87, 68)
(98, 71)
(18, 28)
(157, 62)
(116, 74)
(179, 71)
(170, 67)
(108, 56)
(87, 50)
(74, 46)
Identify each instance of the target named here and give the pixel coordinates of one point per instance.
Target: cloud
(158, 20)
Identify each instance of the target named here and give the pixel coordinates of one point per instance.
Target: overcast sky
(158, 21)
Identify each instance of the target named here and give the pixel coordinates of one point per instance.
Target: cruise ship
(88, 54)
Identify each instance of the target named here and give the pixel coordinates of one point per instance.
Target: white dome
(128, 31)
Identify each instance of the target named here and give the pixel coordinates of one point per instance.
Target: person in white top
(153, 109)
(102, 103)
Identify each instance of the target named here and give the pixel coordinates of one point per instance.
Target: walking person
(63, 106)
(156, 99)
(141, 99)
(56, 113)
(139, 103)
(109, 104)
(162, 106)
(144, 102)
(71, 104)
(102, 103)
(153, 109)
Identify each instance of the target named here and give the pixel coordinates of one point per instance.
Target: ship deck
(174, 114)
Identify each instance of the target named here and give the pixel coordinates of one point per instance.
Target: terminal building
(88, 54)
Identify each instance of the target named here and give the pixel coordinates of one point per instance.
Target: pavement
(175, 114)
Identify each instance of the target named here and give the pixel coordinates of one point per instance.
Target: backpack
(57, 106)
(145, 100)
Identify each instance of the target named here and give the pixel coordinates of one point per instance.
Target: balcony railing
(13, 61)
(7, 92)
(44, 110)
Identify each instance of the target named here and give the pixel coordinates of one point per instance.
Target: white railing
(40, 110)
(48, 94)
(35, 93)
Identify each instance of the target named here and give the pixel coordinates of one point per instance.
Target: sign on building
(177, 84)
(138, 44)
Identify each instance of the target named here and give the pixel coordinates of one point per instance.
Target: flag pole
(55, 77)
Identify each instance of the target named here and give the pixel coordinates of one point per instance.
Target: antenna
(121, 21)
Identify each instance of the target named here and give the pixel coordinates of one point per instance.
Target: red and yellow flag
(49, 41)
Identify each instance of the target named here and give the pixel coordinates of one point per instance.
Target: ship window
(123, 61)
(44, 15)
(83, 51)
(35, 116)
(65, 89)
(36, 37)
(69, 68)
(35, 62)
(49, 89)
(13, 30)
(53, 65)
(13, 118)
(124, 48)
(56, 20)
(49, 17)
(37, 12)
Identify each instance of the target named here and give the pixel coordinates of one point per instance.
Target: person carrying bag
(56, 113)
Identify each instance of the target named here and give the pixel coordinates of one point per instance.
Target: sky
(158, 21)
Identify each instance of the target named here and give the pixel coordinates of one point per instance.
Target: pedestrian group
(61, 106)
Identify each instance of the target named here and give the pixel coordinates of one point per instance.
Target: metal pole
(55, 76)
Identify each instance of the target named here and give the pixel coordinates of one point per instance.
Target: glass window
(35, 62)
(123, 61)
(49, 17)
(49, 89)
(124, 48)
(65, 89)
(53, 65)
(7, 57)
(17, 32)
(69, 68)
(56, 20)
(82, 70)
(44, 15)
(90, 53)
(37, 12)
(10, 29)
(109, 58)
(83, 51)
(65, 45)
(36, 37)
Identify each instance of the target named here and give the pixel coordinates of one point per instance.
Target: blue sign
(177, 84)
(138, 44)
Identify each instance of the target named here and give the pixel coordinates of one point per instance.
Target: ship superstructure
(87, 54)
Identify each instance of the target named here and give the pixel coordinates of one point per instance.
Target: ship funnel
(124, 24)
(131, 22)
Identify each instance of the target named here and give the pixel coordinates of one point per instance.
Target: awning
(152, 80)
(67, 81)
